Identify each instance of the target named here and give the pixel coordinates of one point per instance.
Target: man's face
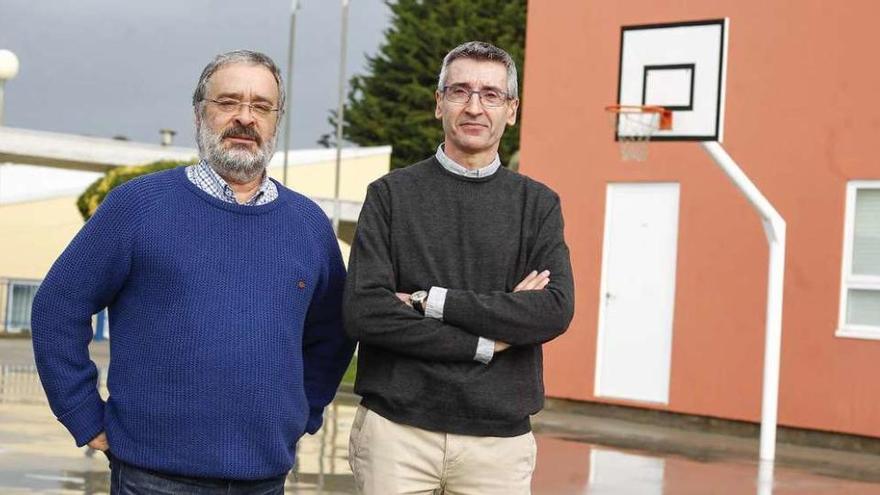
(236, 139)
(472, 128)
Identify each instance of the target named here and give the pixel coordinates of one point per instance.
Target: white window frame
(9, 292)
(848, 280)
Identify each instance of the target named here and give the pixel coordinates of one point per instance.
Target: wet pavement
(38, 456)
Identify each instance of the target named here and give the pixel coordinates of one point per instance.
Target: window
(860, 285)
(18, 306)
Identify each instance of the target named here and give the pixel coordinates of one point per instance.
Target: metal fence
(20, 384)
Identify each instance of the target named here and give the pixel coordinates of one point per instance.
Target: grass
(348, 377)
(23, 334)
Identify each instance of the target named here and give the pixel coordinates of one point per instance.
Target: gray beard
(237, 164)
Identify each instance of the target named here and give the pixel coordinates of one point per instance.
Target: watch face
(418, 300)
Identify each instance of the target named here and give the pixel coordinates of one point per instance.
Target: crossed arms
(537, 310)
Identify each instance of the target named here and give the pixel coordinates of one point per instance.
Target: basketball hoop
(634, 125)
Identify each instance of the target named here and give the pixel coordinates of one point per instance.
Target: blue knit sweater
(226, 336)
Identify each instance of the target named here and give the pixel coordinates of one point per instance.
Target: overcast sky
(114, 67)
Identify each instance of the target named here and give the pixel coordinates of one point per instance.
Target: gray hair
(480, 50)
(238, 57)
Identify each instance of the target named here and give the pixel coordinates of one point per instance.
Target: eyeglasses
(489, 97)
(229, 106)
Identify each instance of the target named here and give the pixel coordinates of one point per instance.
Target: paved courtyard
(37, 456)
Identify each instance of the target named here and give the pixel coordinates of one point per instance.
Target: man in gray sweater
(458, 274)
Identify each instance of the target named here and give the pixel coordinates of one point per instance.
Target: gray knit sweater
(423, 226)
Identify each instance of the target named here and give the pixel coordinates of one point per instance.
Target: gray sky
(111, 67)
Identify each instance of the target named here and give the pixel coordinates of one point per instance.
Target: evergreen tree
(394, 102)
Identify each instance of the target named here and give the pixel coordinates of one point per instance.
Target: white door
(637, 291)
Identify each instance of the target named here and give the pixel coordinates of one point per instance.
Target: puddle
(37, 456)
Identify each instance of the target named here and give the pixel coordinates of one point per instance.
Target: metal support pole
(774, 229)
(100, 323)
(293, 8)
(2, 84)
(340, 114)
(765, 478)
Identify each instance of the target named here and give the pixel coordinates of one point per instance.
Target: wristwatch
(418, 300)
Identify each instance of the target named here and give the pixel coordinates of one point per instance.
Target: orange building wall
(801, 120)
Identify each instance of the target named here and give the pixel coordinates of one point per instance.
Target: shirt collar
(228, 194)
(450, 165)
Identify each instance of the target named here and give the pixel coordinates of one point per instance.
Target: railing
(20, 384)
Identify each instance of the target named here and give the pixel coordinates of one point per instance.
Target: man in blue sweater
(224, 291)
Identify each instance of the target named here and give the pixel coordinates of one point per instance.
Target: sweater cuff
(316, 419)
(86, 421)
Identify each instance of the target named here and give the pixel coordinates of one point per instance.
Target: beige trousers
(388, 458)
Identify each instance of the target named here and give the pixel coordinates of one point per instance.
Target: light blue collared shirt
(437, 295)
(455, 168)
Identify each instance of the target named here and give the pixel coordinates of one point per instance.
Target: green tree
(394, 102)
(91, 198)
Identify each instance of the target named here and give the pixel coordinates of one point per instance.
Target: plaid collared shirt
(208, 180)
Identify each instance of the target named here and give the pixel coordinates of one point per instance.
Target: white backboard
(680, 66)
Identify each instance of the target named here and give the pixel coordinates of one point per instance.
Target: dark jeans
(126, 479)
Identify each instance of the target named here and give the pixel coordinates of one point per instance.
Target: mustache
(242, 131)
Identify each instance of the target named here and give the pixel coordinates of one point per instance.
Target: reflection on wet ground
(38, 456)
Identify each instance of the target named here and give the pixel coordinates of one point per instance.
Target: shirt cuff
(485, 350)
(435, 302)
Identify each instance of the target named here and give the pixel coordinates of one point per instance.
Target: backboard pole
(774, 229)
